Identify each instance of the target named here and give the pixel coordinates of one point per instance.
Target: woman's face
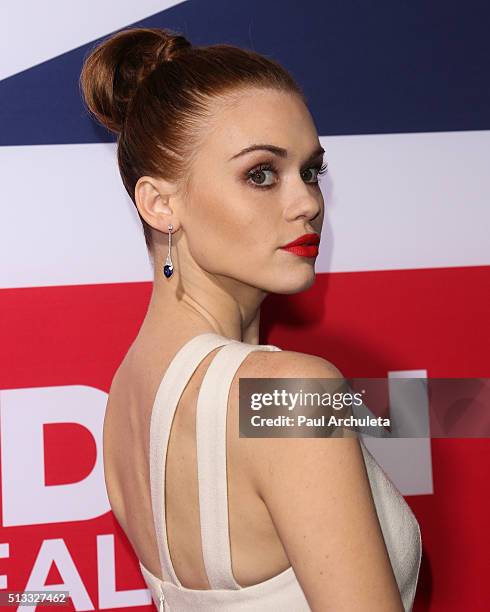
(242, 207)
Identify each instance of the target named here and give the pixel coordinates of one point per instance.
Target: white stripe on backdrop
(28, 37)
(393, 201)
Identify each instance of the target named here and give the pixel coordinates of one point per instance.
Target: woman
(220, 155)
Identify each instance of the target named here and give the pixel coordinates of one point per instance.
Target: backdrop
(400, 95)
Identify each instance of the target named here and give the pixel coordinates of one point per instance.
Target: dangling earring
(168, 268)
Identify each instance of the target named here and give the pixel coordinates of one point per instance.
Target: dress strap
(176, 377)
(211, 415)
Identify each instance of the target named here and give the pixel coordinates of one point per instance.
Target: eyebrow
(277, 151)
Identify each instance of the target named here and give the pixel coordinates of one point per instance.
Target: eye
(258, 173)
(319, 171)
(257, 176)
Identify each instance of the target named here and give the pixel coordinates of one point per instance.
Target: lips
(305, 246)
(308, 239)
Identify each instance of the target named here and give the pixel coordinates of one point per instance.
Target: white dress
(282, 592)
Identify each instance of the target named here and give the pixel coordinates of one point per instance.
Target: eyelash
(271, 166)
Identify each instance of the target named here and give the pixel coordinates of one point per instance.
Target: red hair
(154, 89)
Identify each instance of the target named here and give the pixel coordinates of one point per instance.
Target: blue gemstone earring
(168, 268)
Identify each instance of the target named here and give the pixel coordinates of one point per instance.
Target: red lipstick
(305, 246)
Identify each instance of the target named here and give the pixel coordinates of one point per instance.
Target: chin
(293, 282)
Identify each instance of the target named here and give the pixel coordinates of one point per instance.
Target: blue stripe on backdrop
(383, 67)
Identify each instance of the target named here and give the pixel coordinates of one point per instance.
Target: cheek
(229, 218)
(219, 229)
(232, 225)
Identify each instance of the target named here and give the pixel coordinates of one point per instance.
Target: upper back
(140, 394)
(297, 501)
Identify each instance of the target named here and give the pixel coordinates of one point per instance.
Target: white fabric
(282, 592)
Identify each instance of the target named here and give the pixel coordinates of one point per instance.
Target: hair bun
(114, 69)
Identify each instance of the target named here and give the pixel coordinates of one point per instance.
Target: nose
(307, 205)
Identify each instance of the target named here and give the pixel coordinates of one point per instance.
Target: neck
(199, 302)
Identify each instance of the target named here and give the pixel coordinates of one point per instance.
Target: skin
(223, 222)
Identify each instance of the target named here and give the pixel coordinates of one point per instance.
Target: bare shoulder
(319, 498)
(259, 452)
(288, 364)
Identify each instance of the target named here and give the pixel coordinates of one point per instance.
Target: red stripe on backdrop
(370, 322)
(68, 335)
(366, 323)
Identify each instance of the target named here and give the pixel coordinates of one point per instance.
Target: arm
(318, 495)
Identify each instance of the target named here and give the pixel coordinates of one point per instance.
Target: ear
(155, 200)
